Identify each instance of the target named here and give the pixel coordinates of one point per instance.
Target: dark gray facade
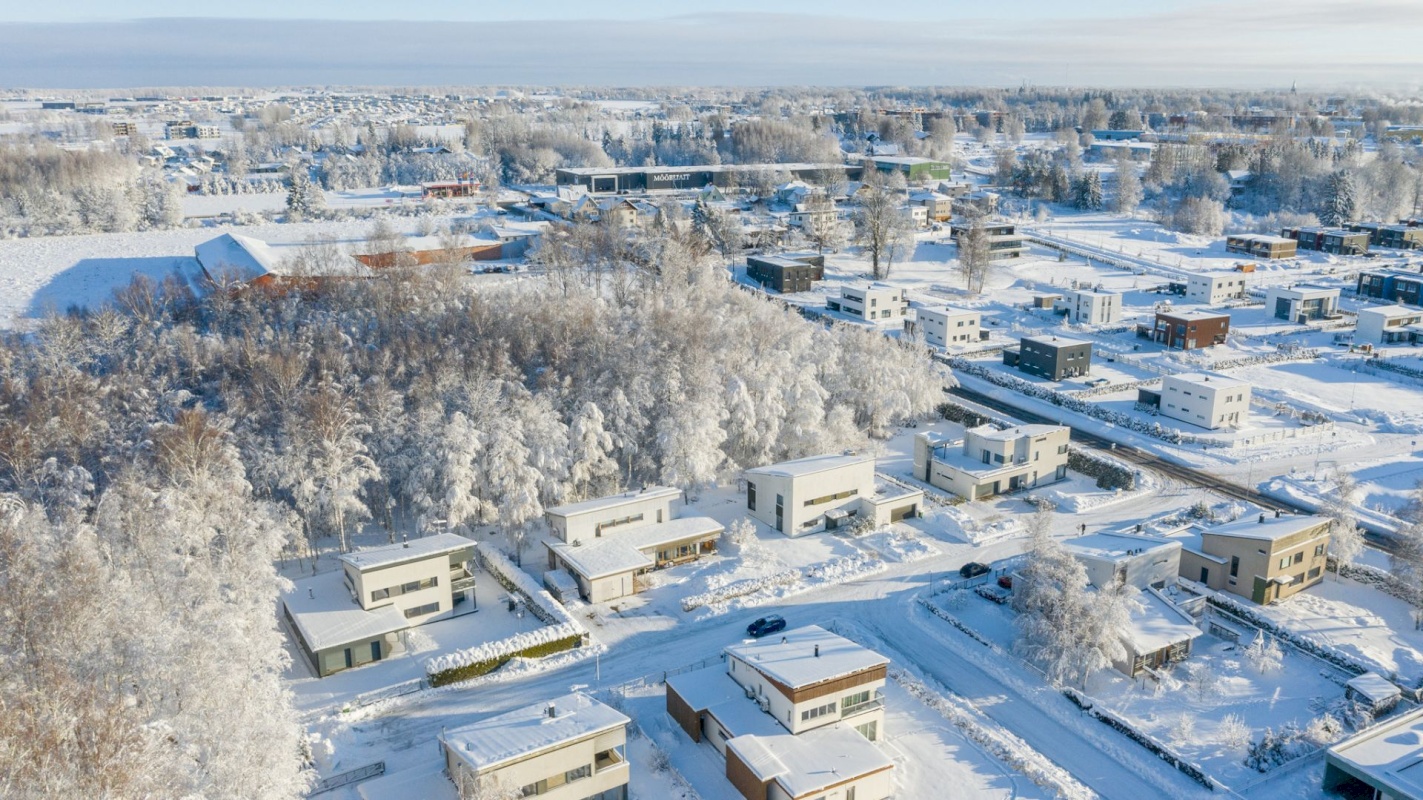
(786, 273)
(1050, 357)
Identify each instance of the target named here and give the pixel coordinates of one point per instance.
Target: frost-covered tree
(593, 469)
(1087, 191)
(882, 227)
(975, 256)
(1340, 203)
(1346, 538)
(1264, 653)
(304, 198)
(1129, 192)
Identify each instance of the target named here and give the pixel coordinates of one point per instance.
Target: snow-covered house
(940, 207)
(567, 748)
(1088, 307)
(1208, 401)
(794, 715)
(1374, 692)
(1114, 559)
(945, 326)
(604, 544)
(877, 301)
(1265, 558)
(349, 618)
(1302, 303)
(824, 492)
(1157, 633)
(1389, 325)
(988, 461)
(233, 257)
(1214, 288)
(1385, 761)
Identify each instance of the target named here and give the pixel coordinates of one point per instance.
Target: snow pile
(759, 591)
(993, 738)
(502, 649)
(899, 546)
(511, 577)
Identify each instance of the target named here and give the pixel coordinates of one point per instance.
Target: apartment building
(1396, 237)
(1265, 558)
(1338, 241)
(1187, 330)
(825, 492)
(1389, 325)
(874, 302)
(1051, 357)
(795, 716)
(1394, 286)
(1004, 241)
(1302, 303)
(946, 327)
(604, 544)
(1261, 246)
(988, 461)
(786, 274)
(569, 748)
(1087, 307)
(353, 617)
(1214, 288)
(1205, 400)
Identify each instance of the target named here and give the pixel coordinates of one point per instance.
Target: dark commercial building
(1393, 286)
(1187, 330)
(1338, 241)
(786, 273)
(622, 180)
(1397, 237)
(1051, 357)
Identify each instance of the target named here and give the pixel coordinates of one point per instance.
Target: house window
(855, 699)
(1299, 557)
(751, 496)
(1234, 566)
(819, 711)
(380, 594)
(420, 611)
(1318, 550)
(1314, 573)
(1062, 449)
(1284, 562)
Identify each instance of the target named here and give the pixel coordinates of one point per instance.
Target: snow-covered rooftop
(613, 501)
(675, 530)
(1306, 290)
(1270, 528)
(811, 762)
(243, 257)
(992, 434)
(1114, 545)
(1054, 341)
(792, 657)
(1156, 624)
(1391, 312)
(1391, 753)
(414, 550)
(531, 729)
(610, 555)
(1192, 315)
(1208, 380)
(809, 466)
(714, 691)
(327, 616)
(1374, 686)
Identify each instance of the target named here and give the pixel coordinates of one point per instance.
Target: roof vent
(817, 651)
(1277, 513)
(552, 711)
(1262, 518)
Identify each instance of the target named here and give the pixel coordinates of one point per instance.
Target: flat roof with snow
(1271, 528)
(613, 501)
(1261, 238)
(1192, 316)
(1390, 754)
(714, 691)
(1010, 434)
(1156, 624)
(389, 555)
(1054, 341)
(326, 615)
(616, 553)
(811, 465)
(1391, 312)
(1115, 545)
(531, 729)
(792, 659)
(812, 761)
(1209, 381)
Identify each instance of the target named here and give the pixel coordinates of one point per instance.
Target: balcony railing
(460, 579)
(606, 760)
(860, 708)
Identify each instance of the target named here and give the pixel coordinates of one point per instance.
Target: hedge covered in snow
(563, 631)
(1110, 473)
(1122, 726)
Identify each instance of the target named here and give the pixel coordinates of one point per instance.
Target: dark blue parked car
(765, 625)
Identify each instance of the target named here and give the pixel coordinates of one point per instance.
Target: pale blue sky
(492, 10)
(1319, 44)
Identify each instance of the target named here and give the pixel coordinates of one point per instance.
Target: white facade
(1301, 303)
(1116, 559)
(823, 492)
(1086, 307)
(947, 327)
(1387, 324)
(874, 302)
(988, 461)
(1207, 401)
(811, 678)
(569, 748)
(590, 519)
(1213, 288)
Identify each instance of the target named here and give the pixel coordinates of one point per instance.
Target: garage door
(902, 513)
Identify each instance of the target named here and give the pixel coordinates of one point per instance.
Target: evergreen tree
(1340, 203)
(304, 198)
(1087, 193)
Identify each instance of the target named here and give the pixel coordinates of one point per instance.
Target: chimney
(552, 711)
(404, 540)
(1262, 518)
(1277, 513)
(817, 651)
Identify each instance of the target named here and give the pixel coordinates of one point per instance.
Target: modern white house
(873, 302)
(1205, 400)
(605, 543)
(988, 461)
(569, 748)
(1389, 325)
(1383, 762)
(1087, 307)
(349, 618)
(945, 326)
(794, 715)
(1214, 288)
(1302, 303)
(1158, 632)
(825, 492)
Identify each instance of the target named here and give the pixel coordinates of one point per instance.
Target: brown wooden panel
(741, 776)
(838, 684)
(686, 716)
